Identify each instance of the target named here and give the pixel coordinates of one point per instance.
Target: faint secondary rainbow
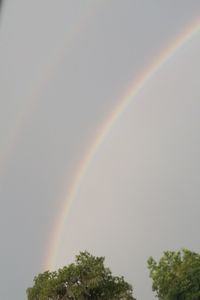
(124, 101)
(46, 73)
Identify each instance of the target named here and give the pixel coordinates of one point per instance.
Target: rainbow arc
(123, 103)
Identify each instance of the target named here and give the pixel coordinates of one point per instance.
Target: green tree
(176, 276)
(85, 279)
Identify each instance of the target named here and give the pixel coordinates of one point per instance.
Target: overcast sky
(63, 68)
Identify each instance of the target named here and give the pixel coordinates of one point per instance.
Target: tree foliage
(85, 279)
(176, 276)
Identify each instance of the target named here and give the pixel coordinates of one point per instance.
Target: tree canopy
(176, 276)
(85, 279)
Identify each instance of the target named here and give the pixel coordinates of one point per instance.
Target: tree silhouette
(86, 279)
(176, 276)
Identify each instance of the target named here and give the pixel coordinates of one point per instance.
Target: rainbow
(124, 101)
(47, 71)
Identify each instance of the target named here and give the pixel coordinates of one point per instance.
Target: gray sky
(63, 67)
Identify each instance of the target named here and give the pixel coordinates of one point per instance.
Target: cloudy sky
(64, 68)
